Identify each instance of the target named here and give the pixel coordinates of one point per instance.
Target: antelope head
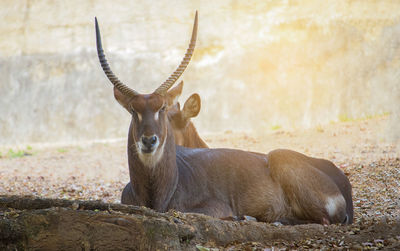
(149, 123)
(180, 119)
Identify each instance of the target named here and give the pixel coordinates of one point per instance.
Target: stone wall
(274, 64)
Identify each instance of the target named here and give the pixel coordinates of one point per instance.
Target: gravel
(98, 171)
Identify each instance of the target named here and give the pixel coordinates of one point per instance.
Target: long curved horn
(106, 68)
(162, 90)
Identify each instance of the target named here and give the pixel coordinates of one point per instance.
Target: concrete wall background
(288, 64)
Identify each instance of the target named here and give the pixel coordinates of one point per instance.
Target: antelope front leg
(128, 196)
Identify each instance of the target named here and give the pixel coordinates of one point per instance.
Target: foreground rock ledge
(54, 224)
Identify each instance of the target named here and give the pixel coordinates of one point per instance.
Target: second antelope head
(149, 123)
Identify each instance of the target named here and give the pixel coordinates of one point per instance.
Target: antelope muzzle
(148, 144)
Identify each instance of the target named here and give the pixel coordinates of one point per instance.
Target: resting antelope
(280, 186)
(187, 136)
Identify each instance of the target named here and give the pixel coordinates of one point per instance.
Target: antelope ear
(122, 99)
(192, 106)
(174, 93)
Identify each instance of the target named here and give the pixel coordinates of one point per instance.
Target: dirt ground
(98, 171)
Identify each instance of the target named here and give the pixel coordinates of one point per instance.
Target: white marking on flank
(333, 203)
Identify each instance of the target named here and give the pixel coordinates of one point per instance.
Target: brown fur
(186, 134)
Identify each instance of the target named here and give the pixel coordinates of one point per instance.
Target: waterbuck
(187, 135)
(281, 186)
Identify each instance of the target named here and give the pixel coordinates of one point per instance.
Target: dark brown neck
(154, 186)
(192, 138)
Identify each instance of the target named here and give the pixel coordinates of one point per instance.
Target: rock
(53, 224)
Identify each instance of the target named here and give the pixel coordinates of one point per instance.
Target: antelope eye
(133, 111)
(163, 108)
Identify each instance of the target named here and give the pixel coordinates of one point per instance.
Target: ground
(98, 171)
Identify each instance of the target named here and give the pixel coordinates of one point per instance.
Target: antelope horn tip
(106, 68)
(184, 63)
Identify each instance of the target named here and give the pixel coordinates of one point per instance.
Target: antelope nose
(149, 141)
